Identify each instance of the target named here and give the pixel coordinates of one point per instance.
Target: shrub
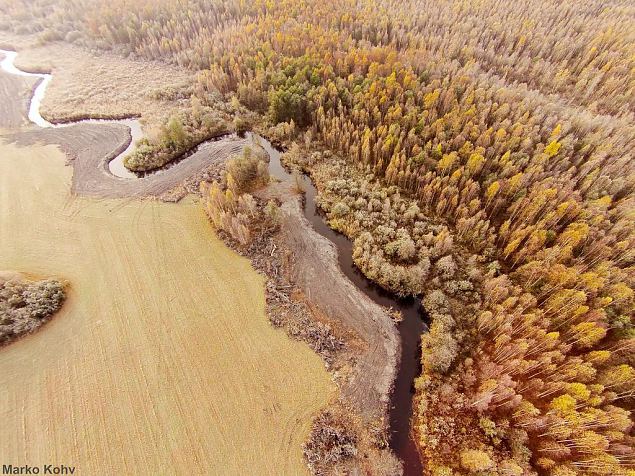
(272, 215)
(340, 209)
(446, 267)
(442, 471)
(26, 305)
(247, 171)
(233, 210)
(475, 460)
(241, 125)
(402, 249)
(330, 442)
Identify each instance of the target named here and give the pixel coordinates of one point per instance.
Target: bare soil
(91, 146)
(315, 270)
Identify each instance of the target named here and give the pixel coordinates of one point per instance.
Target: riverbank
(89, 146)
(314, 301)
(152, 345)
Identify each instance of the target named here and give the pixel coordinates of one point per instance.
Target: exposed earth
(149, 280)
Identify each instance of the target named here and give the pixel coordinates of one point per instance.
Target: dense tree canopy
(487, 162)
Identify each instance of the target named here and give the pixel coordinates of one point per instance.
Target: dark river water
(410, 329)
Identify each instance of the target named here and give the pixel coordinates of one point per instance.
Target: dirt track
(91, 146)
(317, 273)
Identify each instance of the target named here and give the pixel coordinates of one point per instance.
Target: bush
(247, 171)
(233, 210)
(272, 215)
(241, 125)
(330, 442)
(475, 460)
(446, 267)
(402, 249)
(340, 209)
(26, 305)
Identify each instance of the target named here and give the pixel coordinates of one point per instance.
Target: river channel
(410, 329)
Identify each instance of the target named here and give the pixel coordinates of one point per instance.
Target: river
(410, 329)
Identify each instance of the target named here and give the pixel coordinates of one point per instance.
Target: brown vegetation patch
(100, 84)
(26, 304)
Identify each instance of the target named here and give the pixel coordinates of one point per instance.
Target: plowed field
(162, 360)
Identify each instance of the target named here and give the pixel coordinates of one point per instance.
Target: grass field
(82, 84)
(162, 360)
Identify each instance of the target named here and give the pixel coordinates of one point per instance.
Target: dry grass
(162, 360)
(97, 85)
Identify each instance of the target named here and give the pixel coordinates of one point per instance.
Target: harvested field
(162, 360)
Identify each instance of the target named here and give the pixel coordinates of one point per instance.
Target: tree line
(483, 157)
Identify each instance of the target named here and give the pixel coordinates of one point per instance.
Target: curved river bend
(410, 329)
(115, 166)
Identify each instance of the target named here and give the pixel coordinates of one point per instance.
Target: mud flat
(162, 360)
(15, 93)
(91, 146)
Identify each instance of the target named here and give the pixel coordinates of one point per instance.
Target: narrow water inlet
(115, 165)
(410, 329)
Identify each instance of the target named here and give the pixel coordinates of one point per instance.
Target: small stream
(410, 329)
(115, 166)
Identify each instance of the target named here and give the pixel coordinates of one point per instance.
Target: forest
(479, 154)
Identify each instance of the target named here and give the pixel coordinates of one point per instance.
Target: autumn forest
(479, 154)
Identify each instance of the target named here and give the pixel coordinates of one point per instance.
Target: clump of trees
(26, 305)
(179, 135)
(230, 206)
